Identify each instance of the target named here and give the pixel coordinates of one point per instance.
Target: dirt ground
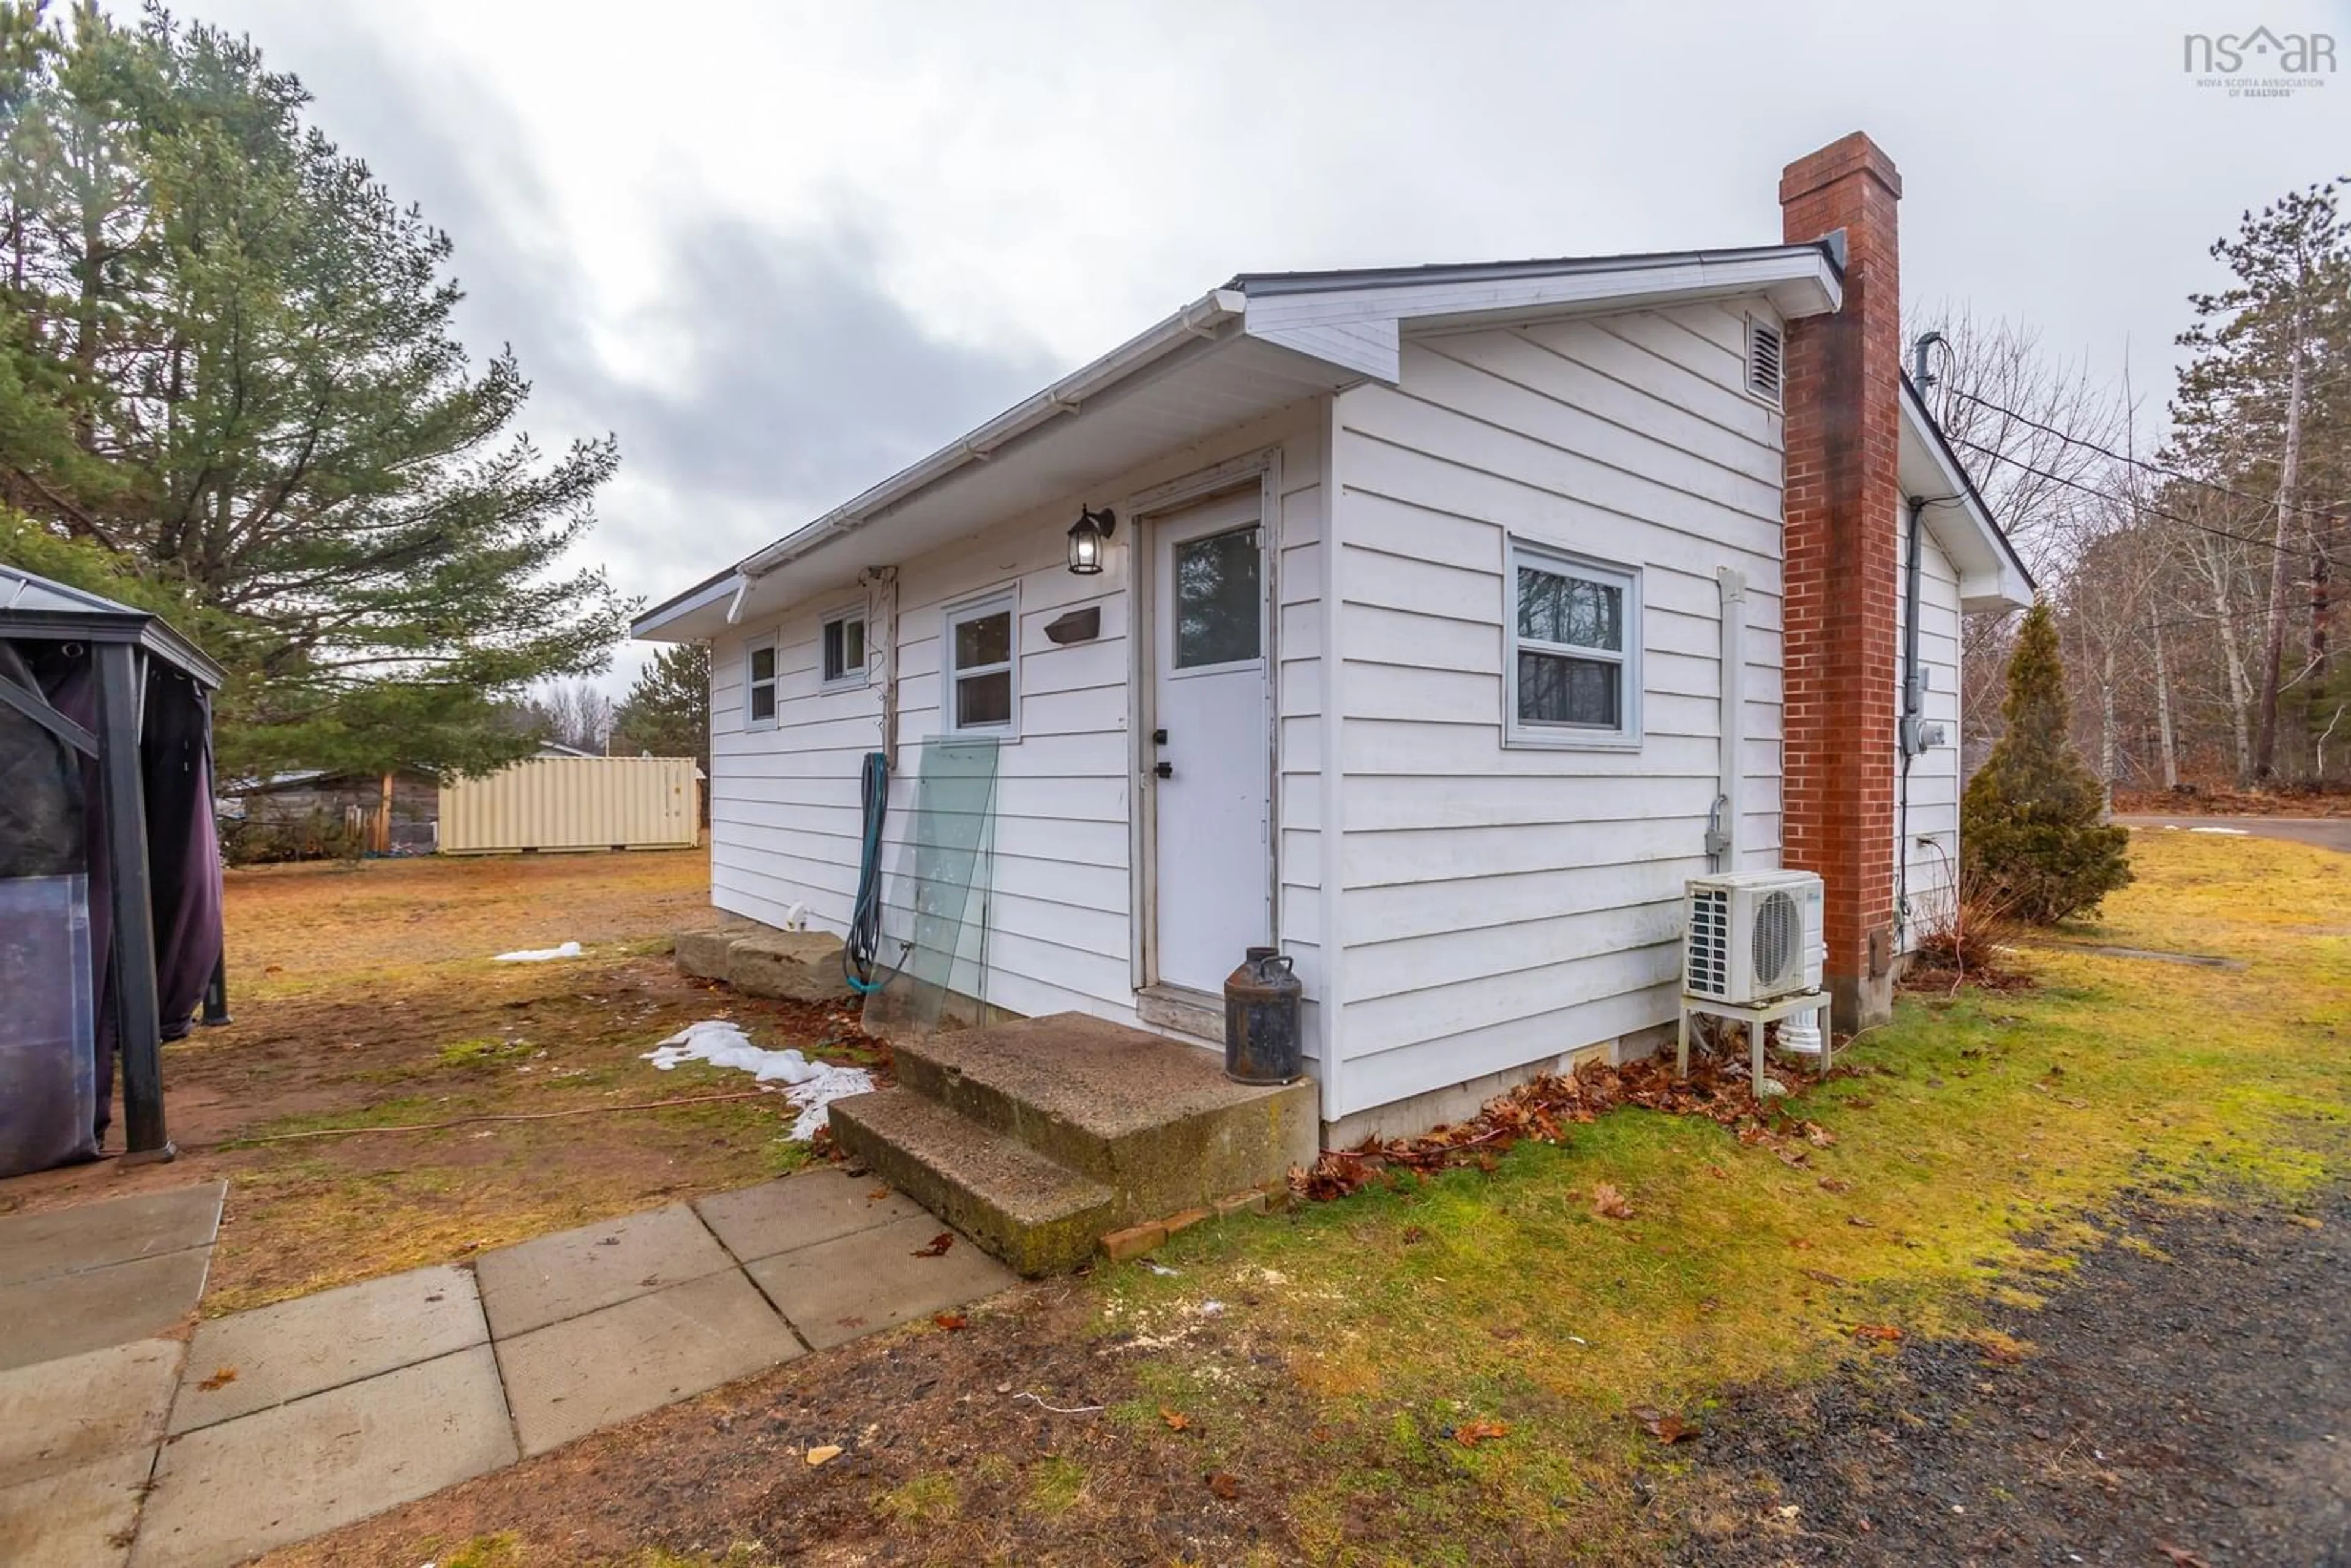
(2186, 1398)
(2143, 1411)
(364, 996)
(2222, 800)
(2064, 1257)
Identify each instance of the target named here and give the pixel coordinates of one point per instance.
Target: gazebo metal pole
(138, 1027)
(215, 1009)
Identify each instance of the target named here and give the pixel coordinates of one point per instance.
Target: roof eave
(1295, 310)
(717, 587)
(1999, 582)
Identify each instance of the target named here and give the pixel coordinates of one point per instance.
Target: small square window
(844, 649)
(759, 685)
(982, 675)
(1574, 675)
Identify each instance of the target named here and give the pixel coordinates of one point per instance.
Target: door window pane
(1556, 689)
(982, 700)
(984, 640)
(1218, 609)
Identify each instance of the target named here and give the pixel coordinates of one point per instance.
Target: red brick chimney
(1842, 508)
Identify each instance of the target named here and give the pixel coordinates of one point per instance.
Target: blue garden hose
(861, 949)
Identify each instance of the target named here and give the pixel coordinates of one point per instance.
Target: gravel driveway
(2187, 1401)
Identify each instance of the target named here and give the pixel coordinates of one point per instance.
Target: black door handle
(1158, 738)
(1165, 770)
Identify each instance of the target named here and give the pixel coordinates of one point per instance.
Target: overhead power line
(2153, 467)
(2144, 507)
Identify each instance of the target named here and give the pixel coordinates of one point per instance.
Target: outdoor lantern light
(1086, 537)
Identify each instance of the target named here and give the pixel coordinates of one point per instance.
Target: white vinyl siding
(1502, 905)
(784, 806)
(1930, 849)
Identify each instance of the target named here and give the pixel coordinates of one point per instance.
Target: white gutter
(1201, 318)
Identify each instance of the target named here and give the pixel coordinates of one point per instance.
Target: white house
(1448, 618)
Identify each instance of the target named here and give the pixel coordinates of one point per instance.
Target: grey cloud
(805, 379)
(800, 380)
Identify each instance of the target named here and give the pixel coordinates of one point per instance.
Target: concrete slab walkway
(273, 1426)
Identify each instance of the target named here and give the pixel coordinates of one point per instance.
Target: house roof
(1991, 575)
(1262, 343)
(38, 607)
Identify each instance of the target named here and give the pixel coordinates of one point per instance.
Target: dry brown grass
(365, 996)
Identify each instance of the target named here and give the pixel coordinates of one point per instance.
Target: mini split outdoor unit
(1752, 935)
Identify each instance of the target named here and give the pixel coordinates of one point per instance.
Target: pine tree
(2031, 827)
(2264, 407)
(226, 357)
(667, 712)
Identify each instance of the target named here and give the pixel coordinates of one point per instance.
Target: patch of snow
(811, 1085)
(2225, 832)
(539, 954)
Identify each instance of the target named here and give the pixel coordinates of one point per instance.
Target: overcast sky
(782, 250)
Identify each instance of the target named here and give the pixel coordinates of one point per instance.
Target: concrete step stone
(312, 1343)
(94, 1234)
(1038, 1216)
(63, 1413)
(80, 1518)
(234, 1490)
(576, 1271)
(788, 965)
(571, 1377)
(1155, 1120)
(801, 1210)
(873, 1280)
(90, 1309)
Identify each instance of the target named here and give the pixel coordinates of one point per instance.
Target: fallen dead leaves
(951, 1322)
(221, 1378)
(1227, 1486)
(936, 1247)
(1469, 1434)
(1176, 1421)
(1665, 1426)
(1878, 1334)
(1608, 1203)
(1542, 1109)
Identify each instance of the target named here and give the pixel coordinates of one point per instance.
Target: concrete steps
(1039, 1216)
(1038, 1137)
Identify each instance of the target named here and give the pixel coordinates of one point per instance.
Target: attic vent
(1763, 360)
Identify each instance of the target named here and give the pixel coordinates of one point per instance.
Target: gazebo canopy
(125, 693)
(33, 606)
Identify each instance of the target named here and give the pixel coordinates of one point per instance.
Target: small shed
(111, 929)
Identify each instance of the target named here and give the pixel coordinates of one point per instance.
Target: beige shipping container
(575, 803)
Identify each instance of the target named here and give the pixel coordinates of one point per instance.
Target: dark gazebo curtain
(58, 1047)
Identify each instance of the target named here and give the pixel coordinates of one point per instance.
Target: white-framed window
(980, 686)
(841, 648)
(1574, 675)
(759, 684)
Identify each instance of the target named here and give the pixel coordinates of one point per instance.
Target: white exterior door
(1209, 777)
